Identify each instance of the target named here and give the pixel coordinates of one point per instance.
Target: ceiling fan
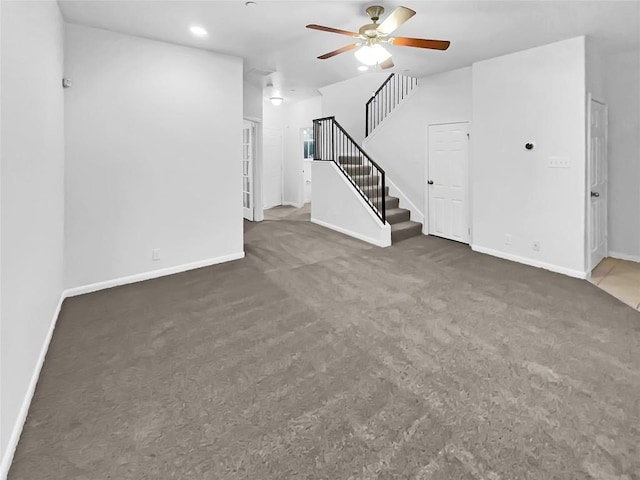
(373, 35)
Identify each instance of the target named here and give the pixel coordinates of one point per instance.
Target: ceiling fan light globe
(275, 101)
(372, 55)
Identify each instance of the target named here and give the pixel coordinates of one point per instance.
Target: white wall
(346, 101)
(153, 160)
(297, 115)
(399, 143)
(32, 201)
(595, 69)
(537, 95)
(622, 94)
(344, 210)
(251, 101)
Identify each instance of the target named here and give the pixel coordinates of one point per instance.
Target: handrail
(382, 86)
(386, 98)
(333, 143)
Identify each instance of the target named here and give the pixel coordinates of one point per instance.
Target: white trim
(624, 256)
(12, 444)
(139, 277)
(528, 261)
(416, 214)
(374, 241)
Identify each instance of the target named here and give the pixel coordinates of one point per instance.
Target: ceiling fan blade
(420, 43)
(313, 26)
(388, 63)
(397, 18)
(338, 51)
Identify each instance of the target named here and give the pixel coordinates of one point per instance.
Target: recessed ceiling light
(249, 4)
(198, 31)
(363, 68)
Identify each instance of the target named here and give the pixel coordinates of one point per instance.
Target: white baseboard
(12, 444)
(116, 282)
(374, 241)
(394, 191)
(624, 256)
(528, 261)
(24, 409)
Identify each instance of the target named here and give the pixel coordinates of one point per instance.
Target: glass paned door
(248, 150)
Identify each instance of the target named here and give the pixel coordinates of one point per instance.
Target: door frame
(425, 225)
(589, 100)
(258, 214)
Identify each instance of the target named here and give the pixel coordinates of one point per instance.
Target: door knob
(430, 182)
(595, 194)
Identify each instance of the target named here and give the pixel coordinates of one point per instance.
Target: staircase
(368, 182)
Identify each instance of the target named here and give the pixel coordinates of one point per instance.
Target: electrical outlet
(536, 246)
(155, 254)
(507, 239)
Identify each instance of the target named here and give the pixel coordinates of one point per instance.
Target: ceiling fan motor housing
(375, 12)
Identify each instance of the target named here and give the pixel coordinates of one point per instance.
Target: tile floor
(620, 278)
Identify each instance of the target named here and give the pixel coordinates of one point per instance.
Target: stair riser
(373, 190)
(349, 160)
(366, 180)
(407, 233)
(357, 169)
(398, 217)
(390, 202)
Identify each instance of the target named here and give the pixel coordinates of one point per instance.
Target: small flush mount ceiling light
(198, 31)
(275, 101)
(363, 68)
(372, 54)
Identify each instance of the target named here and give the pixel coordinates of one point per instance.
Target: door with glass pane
(248, 153)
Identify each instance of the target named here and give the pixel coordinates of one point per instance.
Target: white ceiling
(271, 35)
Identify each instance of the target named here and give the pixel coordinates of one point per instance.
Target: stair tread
(391, 211)
(386, 198)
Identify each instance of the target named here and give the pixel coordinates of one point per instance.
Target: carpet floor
(322, 357)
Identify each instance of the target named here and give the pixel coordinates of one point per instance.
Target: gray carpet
(321, 357)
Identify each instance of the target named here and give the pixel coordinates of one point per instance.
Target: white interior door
(271, 167)
(307, 181)
(248, 153)
(597, 182)
(448, 181)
